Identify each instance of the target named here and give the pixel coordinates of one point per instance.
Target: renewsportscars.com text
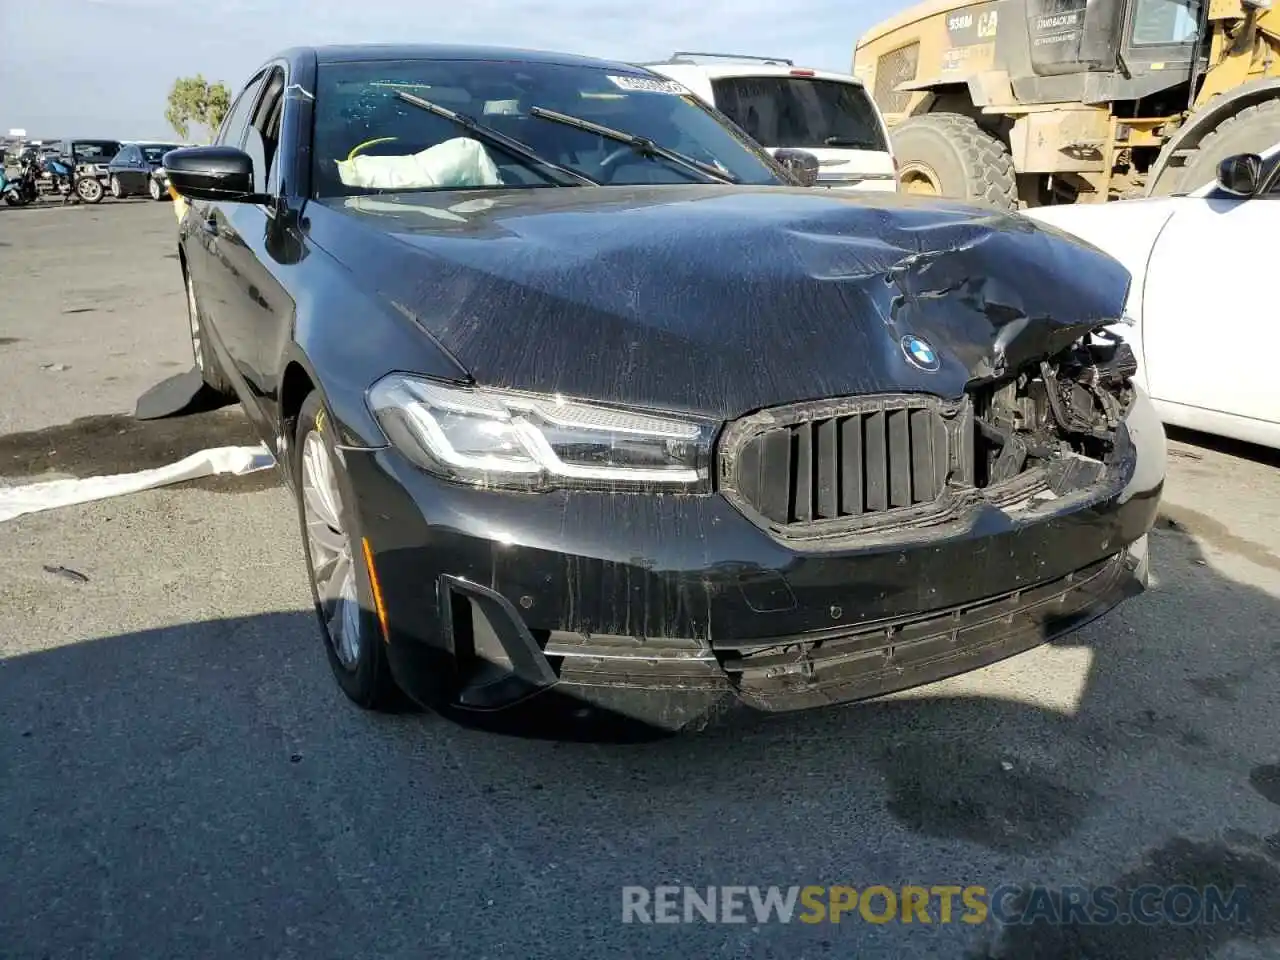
(1007, 905)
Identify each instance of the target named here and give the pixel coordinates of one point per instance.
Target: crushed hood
(722, 300)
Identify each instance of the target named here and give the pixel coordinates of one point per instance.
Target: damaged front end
(1048, 433)
(1058, 420)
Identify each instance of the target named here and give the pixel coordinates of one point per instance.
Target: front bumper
(666, 610)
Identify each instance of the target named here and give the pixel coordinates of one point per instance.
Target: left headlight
(499, 438)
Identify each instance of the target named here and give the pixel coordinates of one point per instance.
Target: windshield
(154, 152)
(95, 149)
(801, 112)
(369, 139)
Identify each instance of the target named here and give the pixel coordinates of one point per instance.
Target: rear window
(801, 112)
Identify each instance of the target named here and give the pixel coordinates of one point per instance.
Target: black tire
(205, 360)
(155, 190)
(116, 188)
(1254, 129)
(957, 157)
(369, 684)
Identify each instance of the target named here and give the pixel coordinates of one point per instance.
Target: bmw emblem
(920, 353)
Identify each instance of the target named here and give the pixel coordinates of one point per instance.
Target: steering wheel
(368, 143)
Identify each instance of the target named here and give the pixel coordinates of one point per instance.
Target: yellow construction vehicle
(1032, 102)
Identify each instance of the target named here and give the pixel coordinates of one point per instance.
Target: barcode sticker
(649, 85)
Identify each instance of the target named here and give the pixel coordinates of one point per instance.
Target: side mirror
(800, 165)
(211, 173)
(1240, 175)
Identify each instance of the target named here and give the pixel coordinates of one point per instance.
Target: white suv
(780, 105)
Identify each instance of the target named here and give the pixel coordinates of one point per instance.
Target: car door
(205, 223)
(128, 168)
(259, 309)
(139, 172)
(1211, 335)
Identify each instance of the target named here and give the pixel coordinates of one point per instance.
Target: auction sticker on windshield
(648, 85)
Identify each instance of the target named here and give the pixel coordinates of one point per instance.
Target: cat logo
(987, 24)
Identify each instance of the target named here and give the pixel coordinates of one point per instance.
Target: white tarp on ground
(49, 494)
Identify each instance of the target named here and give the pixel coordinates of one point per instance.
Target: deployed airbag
(459, 163)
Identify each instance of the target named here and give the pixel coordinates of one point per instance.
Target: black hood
(723, 300)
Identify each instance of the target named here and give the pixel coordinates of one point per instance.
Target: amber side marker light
(378, 608)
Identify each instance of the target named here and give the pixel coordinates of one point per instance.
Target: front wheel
(336, 563)
(210, 371)
(153, 188)
(117, 191)
(89, 189)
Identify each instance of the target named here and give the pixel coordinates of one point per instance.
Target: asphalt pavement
(180, 776)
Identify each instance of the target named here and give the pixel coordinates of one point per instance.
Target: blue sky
(103, 67)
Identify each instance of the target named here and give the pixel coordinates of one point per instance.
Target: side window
(263, 136)
(1166, 22)
(233, 126)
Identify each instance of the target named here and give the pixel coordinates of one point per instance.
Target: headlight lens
(534, 442)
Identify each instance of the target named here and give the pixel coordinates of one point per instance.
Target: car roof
(748, 68)
(350, 53)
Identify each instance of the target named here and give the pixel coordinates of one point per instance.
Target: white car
(781, 105)
(1204, 305)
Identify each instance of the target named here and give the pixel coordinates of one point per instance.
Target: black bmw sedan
(138, 168)
(586, 401)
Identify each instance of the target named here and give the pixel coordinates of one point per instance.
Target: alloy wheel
(115, 188)
(154, 188)
(89, 189)
(332, 561)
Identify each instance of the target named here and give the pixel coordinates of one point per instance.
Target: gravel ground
(180, 777)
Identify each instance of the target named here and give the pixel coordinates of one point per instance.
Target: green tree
(195, 99)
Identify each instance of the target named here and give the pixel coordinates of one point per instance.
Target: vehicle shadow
(207, 776)
(48, 203)
(1225, 445)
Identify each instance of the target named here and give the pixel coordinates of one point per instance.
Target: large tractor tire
(949, 155)
(1253, 130)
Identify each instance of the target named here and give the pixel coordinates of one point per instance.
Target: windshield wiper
(496, 138)
(643, 145)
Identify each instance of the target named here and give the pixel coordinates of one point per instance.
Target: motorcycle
(25, 187)
(60, 178)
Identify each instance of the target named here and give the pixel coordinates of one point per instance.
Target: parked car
(90, 158)
(139, 168)
(1202, 331)
(586, 404)
(781, 105)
